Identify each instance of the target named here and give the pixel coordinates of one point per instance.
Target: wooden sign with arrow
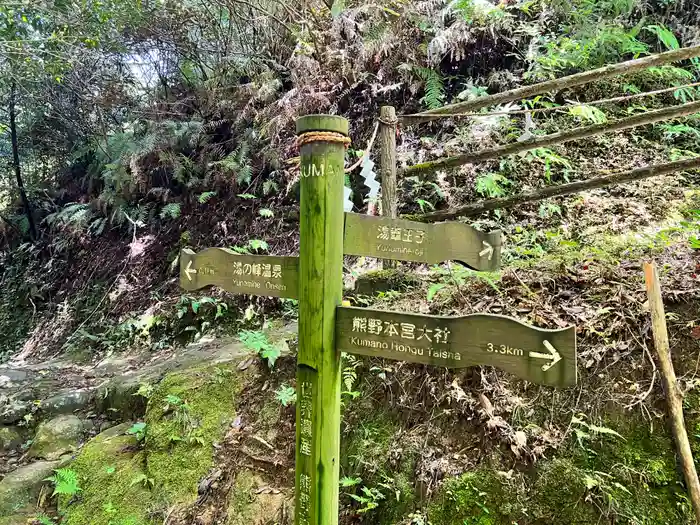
(266, 275)
(547, 357)
(405, 240)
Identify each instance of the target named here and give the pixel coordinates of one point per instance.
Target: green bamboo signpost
(326, 328)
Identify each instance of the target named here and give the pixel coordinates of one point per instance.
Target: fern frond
(434, 86)
(171, 211)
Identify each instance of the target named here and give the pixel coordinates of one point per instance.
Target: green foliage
(266, 212)
(550, 159)
(351, 364)
(238, 163)
(258, 342)
(269, 186)
(434, 86)
(144, 480)
(257, 245)
(206, 196)
(588, 113)
(65, 482)
(139, 430)
(586, 431)
(492, 184)
(286, 395)
(171, 211)
(665, 36)
(43, 519)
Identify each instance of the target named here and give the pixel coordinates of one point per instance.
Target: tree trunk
(15, 157)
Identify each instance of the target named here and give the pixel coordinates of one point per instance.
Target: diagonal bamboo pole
(642, 119)
(674, 397)
(556, 85)
(563, 189)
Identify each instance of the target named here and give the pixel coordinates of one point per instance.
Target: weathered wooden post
(387, 165)
(322, 140)
(387, 159)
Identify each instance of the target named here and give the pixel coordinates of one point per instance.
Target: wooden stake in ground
(674, 398)
(322, 139)
(387, 164)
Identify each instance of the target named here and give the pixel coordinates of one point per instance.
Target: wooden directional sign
(266, 275)
(418, 242)
(541, 356)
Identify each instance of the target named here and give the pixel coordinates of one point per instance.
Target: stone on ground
(19, 490)
(56, 437)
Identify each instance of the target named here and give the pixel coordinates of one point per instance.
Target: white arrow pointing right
(488, 250)
(553, 356)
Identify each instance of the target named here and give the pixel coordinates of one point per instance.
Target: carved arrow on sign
(189, 271)
(553, 356)
(457, 342)
(488, 250)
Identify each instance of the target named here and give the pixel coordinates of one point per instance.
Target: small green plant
(370, 497)
(350, 365)
(110, 469)
(434, 86)
(138, 430)
(266, 212)
(145, 390)
(492, 185)
(171, 211)
(257, 245)
(346, 482)
(144, 480)
(587, 431)
(286, 395)
(206, 196)
(43, 519)
(65, 482)
(589, 114)
(257, 341)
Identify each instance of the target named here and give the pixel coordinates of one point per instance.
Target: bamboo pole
(320, 292)
(556, 85)
(642, 119)
(387, 165)
(470, 210)
(674, 397)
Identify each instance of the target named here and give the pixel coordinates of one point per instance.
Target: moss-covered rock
(113, 480)
(187, 413)
(11, 437)
(252, 502)
(19, 490)
(56, 437)
(482, 497)
(376, 281)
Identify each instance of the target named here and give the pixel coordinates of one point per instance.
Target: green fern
(266, 212)
(434, 87)
(204, 197)
(492, 185)
(65, 482)
(171, 211)
(269, 186)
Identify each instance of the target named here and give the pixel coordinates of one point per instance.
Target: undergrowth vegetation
(144, 128)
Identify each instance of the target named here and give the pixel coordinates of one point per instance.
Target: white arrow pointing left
(488, 250)
(189, 271)
(553, 356)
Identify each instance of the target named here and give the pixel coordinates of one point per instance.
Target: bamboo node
(322, 136)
